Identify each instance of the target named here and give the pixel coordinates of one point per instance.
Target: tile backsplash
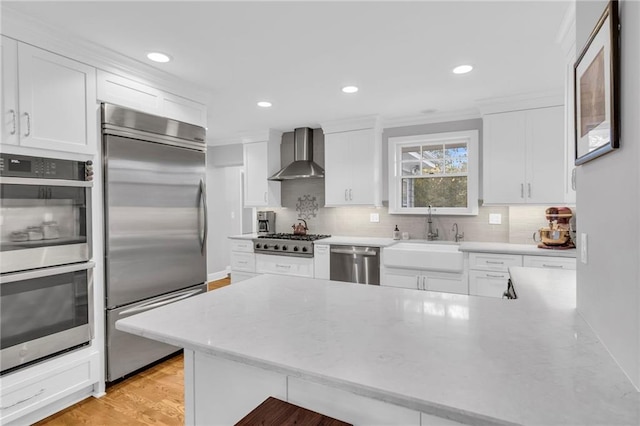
(305, 199)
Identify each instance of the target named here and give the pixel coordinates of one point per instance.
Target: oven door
(45, 222)
(44, 312)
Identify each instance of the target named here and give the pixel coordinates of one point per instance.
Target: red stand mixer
(557, 235)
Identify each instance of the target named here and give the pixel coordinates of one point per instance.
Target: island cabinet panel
(347, 406)
(225, 391)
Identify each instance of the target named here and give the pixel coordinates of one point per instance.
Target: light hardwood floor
(153, 396)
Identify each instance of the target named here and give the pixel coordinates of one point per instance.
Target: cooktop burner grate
(294, 237)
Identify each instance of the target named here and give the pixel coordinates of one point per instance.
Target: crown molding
(437, 117)
(359, 123)
(28, 30)
(566, 36)
(520, 102)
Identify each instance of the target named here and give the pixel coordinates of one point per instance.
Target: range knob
(304, 249)
(276, 247)
(258, 245)
(295, 248)
(266, 246)
(284, 248)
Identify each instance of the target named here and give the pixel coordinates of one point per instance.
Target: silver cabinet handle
(544, 265)
(28, 133)
(278, 265)
(424, 283)
(522, 190)
(494, 262)
(346, 198)
(13, 119)
(494, 276)
(40, 392)
(418, 282)
(243, 262)
(265, 196)
(350, 195)
(529, 190)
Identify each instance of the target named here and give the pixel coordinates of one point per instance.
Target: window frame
(396, 144)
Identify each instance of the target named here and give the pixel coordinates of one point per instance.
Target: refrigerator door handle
(203, 197)
(158, 303)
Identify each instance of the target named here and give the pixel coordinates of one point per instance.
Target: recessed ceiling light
(462, 69)
(158, 57)
(349, 89)
(264, 104)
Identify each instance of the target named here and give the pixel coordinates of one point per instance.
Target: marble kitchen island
(382, 355)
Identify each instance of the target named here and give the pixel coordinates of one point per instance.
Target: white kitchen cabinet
(53, 105)
(425, 280)
(35, 392)
(352, 167)
(524, 156)
(347, 406)
(321, 261)
(243, 260)
(489, 273)
(261, 160)
(550, 262)
(284, 265)
(128, 93)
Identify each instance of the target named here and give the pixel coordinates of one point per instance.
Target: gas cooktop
(287, 244)
(296, 237)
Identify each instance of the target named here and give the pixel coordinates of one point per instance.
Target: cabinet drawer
(494, 262)
(22, 398)
(243, 262)
(488, 283)
(550, 262)
(447, 283)
(284, 265)
(242, 245)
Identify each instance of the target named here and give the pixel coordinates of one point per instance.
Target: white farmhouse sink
(433, 256)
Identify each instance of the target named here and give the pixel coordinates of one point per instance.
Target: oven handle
(46, 272)
(44, 182)
(356, 252)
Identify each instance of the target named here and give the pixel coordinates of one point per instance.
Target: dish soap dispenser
(396, 233)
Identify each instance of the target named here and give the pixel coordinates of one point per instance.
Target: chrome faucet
(457, 236)
(430, 234)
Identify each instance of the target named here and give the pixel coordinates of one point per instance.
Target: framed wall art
(597, 91)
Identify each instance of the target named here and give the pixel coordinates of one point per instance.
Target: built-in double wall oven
(46, 274)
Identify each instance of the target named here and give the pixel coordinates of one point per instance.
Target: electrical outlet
(583, 248)
(374, 217)
(495, 219)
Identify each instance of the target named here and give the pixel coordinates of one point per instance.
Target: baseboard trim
(217, 275)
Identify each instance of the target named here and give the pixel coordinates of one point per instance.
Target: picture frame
(597, 89)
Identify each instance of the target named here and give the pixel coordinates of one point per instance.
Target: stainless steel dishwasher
(355, 264)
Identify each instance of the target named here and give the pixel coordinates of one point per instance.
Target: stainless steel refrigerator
(155, 225)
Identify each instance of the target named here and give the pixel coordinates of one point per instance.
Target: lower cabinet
(31, 394)
(322, 261)
(284, 265)
(425, 280)
(490, 284)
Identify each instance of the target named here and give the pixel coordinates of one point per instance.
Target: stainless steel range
(287, 244)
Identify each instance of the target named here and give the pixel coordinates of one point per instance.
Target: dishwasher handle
(356, 252)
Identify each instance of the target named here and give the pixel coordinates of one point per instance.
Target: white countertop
(243, 236)
(357, 241)
(527, 361)
(508, 248)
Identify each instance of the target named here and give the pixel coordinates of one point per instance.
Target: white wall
(608, 194)
(224, 197)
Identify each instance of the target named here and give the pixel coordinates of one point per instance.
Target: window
(438, 170)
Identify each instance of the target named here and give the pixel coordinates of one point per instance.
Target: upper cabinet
(352, 163)
(262, 160)
(123, 91)
(524, 156)
(48, 101)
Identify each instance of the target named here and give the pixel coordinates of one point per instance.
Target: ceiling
(298, 55)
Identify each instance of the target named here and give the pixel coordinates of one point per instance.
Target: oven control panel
(44, 168)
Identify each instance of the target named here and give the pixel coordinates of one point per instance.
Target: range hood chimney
(303, 166)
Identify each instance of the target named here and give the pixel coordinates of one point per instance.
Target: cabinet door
(446, 283)
(545, 156)
(361, 167)
(504, 157)
(9, 88)
(337, 168)
(403, 278)
(57, 97)
(321, 262)
(182, 109)
(490, 284)
(128, 93)
(255, 177)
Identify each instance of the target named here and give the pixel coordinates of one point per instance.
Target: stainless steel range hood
(303, 166)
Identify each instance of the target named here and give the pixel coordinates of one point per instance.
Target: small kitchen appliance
(558, 234)
(266, 222)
